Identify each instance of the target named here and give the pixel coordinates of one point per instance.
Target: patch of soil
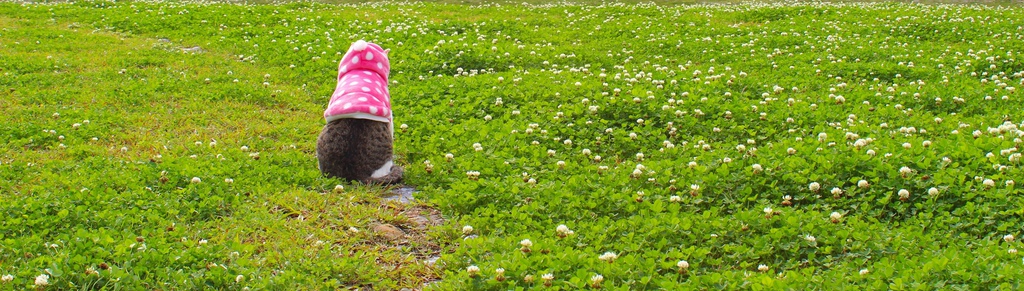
(407, 229)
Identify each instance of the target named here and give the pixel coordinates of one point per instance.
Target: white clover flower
(526, 243)
(675, 198)
(547, 277)
(864, 272)
(836, 191)
(636, 173)
(904, 194)
(835, 216)
(229, 180)
(499, 274)
(608, 257)
(905, 171)
(762, 268)
(1008, 238)
(691, 164)
(1011, 251)
(239, 278)
(863, 184)
(449, 156)
(473, 270)
(791, 151)
(756, 168)
(467, 230)
(551, 153)
(1009, 183)
(683, 264)
(810, 238)
(196, 180)
(595, 280)
(989, 183)
(926, 143)
(563, 231)
(7, 278)
(860, 143)
(814, 186)
(42, 280)
(586, 152)
(871, 153)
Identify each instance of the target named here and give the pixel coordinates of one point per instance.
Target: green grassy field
(170, 146)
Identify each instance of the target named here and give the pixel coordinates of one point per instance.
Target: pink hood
(362, 90)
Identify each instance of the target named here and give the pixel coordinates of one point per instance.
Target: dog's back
(357, 149)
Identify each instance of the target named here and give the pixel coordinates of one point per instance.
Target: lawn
(170, 146)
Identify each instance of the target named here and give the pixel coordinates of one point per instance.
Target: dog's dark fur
(354, 148)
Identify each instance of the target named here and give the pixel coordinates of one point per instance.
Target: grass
(621, 146)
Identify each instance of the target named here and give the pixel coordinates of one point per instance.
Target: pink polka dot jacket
(362, 90)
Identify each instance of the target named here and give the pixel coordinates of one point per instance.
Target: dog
(357, 143)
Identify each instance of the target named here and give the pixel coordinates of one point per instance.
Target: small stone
(388, 231)
(419, 220)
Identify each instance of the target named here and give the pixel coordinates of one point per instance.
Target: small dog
(357, 142)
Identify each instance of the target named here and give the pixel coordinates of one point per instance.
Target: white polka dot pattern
(362, 95)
